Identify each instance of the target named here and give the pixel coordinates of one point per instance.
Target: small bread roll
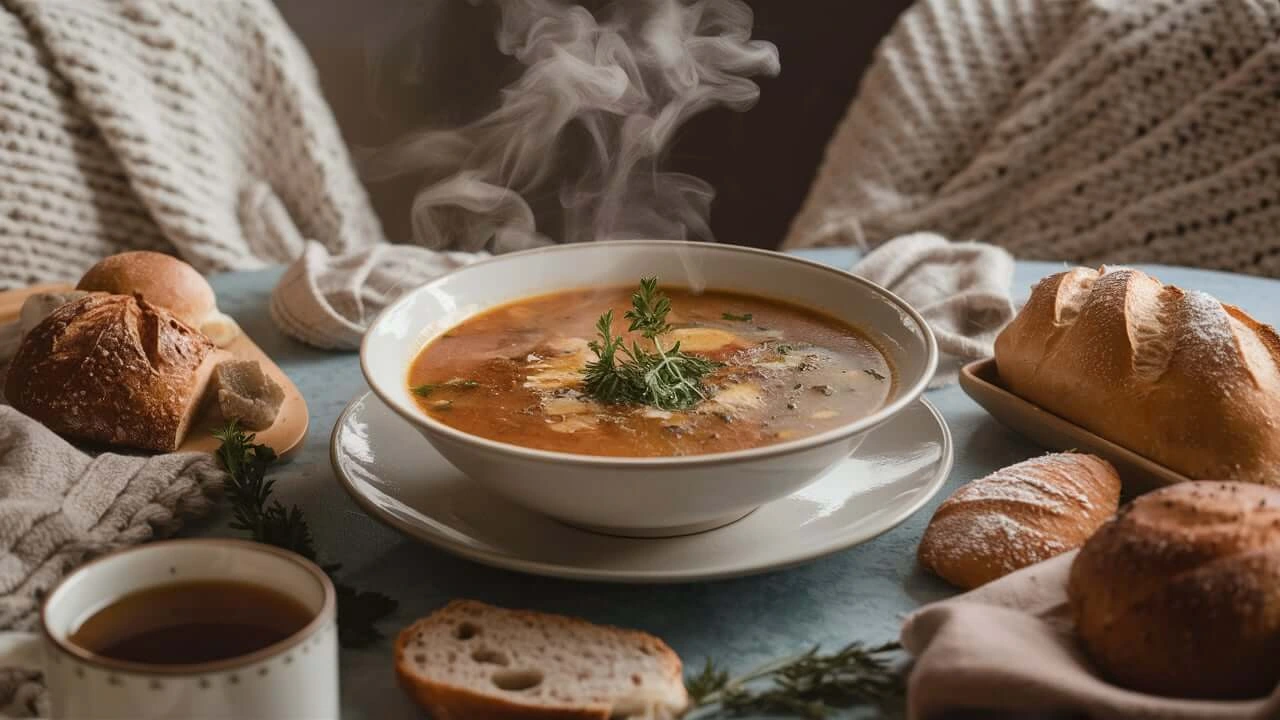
(165, 281)
(1019, 516)
(1179, 595)
(41, 305)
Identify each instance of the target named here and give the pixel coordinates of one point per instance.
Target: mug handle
(21, 650)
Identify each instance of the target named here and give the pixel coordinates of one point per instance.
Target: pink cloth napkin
(1008, 648)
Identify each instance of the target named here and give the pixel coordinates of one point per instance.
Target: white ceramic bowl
(644, 496)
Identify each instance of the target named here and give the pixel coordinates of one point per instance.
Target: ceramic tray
(981, 382)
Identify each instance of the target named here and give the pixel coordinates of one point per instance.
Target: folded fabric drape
(1090, 131)
(1008, 649)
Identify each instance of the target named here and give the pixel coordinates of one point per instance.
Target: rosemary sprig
(663, 377)
(744, 317)
(270, 522)
(808, 685)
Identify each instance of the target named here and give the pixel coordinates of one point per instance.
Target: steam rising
(580, 135)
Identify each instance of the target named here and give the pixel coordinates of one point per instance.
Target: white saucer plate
(398, 478)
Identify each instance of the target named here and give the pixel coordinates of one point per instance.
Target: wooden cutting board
(285, 436)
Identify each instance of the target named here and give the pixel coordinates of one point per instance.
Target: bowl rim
(422, 420)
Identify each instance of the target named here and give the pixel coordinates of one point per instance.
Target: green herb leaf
(426, 389)
(665, 378)
(745, 317)
(809, 685)
(270, 522)
(874, 374)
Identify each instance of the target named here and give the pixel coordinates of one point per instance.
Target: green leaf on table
(268, 521)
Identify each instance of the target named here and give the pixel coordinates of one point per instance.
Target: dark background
(388, 66)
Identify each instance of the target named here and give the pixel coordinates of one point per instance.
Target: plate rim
(941, 473)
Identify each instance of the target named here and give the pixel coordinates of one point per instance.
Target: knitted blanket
(195, 128)
(1089, 131)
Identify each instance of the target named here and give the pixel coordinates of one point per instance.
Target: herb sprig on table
(663, 377)
(270, 522)
(808, 685)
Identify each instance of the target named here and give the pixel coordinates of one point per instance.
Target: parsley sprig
(663, 377)
(808, 685)
(268, 521)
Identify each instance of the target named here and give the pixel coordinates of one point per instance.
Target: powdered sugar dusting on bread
(1018, 516)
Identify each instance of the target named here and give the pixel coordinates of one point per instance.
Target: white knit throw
(1081, 130)
(195, 128)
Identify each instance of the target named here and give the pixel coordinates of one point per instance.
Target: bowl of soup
(647, 388)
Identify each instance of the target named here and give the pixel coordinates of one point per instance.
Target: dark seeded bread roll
(1170, 374)
(112, 369)
(1180, 594)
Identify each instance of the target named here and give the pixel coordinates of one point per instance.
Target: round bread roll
(1019, 516)
(1179, 595)
(165, 281)
(112, 369)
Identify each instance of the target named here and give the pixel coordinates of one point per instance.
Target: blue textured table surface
(860, 593)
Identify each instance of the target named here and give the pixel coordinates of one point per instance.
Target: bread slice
(472, 661)
(247, 394)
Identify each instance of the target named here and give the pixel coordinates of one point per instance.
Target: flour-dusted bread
(1179, 595)
(1173, 375)
(165, 281)
(471, 661)
(1019, 516)
(112, 369)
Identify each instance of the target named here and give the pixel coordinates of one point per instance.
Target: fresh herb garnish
(426, 389)
(268, 521)
(809, 685)
(745, 317)
(874, 374)
(665, 378)
(784, 349)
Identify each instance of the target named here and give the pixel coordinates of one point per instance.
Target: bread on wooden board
(470, 660)
(1019, 516)
(247, 394)
(112, 369)
(166, 281)
(1173, 375)
(1179, 595)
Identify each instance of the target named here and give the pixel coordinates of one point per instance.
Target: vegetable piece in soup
(712, 372)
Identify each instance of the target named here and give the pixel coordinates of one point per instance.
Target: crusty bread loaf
(112, 369)
(1180, 594)
(1019, 516)
(165, 281)
(469, 660)
(246, 394)
(1173, 375)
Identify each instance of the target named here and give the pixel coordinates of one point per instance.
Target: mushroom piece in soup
(619, 372)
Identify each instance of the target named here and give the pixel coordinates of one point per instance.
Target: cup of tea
(191, 629)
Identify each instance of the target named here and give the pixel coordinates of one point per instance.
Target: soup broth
(515, 374)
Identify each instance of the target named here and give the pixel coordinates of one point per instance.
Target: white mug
(294, 678)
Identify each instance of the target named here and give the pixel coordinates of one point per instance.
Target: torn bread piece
(472, 660)
(247, 395)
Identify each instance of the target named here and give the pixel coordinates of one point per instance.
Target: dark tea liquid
(192, 622)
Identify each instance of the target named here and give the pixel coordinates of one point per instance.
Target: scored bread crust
(112, 369)
(1173, 375)
(1179, 595)
(446, 700)
(1019, 516)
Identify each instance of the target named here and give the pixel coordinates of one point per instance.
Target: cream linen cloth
(962, 289)
(1007, 648)
(60, 507)
(1089, 131)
